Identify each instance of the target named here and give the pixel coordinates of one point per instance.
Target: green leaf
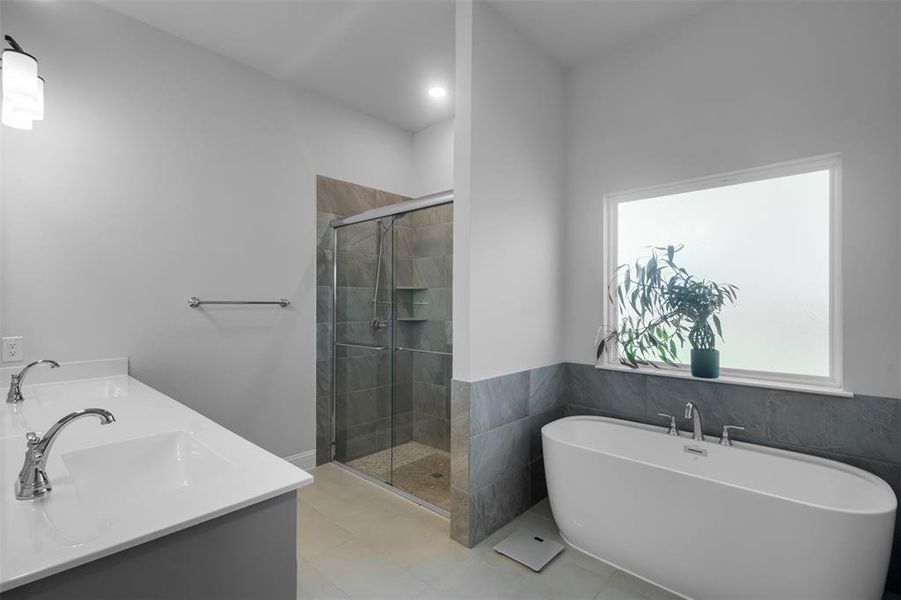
(719, 328)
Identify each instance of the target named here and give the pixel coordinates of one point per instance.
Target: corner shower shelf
(412, 319)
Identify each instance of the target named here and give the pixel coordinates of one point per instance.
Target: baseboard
(304, 460)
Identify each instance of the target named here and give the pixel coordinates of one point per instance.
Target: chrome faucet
(33, 481)
(691, 412)
(15, 382)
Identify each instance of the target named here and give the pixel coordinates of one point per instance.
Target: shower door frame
(397, 210)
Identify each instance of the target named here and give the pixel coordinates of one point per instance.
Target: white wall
(898, 172)
(463, 31)
(2, 212)
(742, 85)
(162, 171)
(433, 158)
(513, 208)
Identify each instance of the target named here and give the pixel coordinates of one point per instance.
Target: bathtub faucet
(691, 412)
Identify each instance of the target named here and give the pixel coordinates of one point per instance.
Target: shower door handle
(362, 346)
(438, 352)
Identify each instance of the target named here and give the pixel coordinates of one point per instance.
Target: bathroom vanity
(162, 503)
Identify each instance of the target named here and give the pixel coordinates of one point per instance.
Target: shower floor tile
(427, 478)
(419, 469)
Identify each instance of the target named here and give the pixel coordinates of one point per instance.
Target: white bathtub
(746, 522)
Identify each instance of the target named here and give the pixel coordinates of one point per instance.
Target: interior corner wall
(508, 226)
(162, 171)
(463, 30)
(741, 85)
(514, 204)
(2, 222)
(433, 159)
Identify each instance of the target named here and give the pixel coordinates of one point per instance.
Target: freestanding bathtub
(711, 522)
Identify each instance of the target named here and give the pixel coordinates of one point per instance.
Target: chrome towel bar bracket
(195, 302)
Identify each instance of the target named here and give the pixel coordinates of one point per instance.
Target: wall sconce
(23, 88)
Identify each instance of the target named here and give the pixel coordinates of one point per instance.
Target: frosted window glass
(771, 239)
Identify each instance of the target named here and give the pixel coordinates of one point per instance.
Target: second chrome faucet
(16, 381)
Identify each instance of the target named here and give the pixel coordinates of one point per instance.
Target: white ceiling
(380, 56)
(377, 57)
(572, 31)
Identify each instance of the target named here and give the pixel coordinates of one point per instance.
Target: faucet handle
(725, 440)
(14, 394)
(673, 430)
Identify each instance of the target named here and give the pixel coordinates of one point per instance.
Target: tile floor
(419, 469)
(357, 540)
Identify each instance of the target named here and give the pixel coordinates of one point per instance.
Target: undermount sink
(143, 467)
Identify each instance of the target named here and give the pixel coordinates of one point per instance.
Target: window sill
(772, 384)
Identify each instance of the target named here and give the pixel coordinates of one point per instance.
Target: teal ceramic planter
(705, 363)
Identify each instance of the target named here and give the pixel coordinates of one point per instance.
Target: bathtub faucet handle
(725, 440)
(673, 430)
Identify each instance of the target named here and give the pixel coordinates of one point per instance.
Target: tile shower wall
(431, 400)
(864, 431)
(497, 471)
(364, 376)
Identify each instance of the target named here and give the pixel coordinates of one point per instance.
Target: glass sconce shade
(33, 107)
(20, 76)
(15, 118)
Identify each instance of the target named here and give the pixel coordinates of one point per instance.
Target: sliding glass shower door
(393, 356)
(364, 347)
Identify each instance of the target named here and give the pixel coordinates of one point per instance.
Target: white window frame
(831, 384)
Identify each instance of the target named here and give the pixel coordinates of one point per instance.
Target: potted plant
(661, 306)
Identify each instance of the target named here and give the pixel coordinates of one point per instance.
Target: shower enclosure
(391, 335)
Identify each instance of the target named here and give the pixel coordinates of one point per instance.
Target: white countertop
(214, 471)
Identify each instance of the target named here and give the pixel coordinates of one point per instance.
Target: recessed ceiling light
(437, 92)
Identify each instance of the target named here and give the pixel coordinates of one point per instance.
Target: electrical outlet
(13, 349)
